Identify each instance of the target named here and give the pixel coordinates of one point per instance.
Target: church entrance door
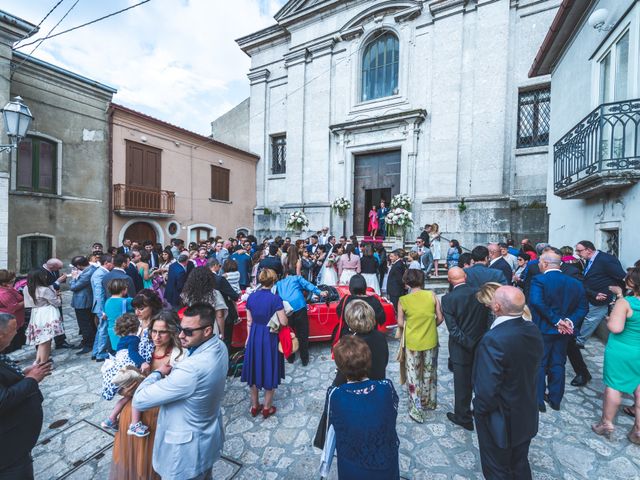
(376, 177)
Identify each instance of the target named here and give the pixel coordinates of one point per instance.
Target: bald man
(467, 321)
(505, 375)
(558, 305)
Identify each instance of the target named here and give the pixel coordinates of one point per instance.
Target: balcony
(600, 154)
(134, 201)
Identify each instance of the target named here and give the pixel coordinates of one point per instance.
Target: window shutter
(219, 183)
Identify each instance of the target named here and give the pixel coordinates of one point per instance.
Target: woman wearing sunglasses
(263, 366)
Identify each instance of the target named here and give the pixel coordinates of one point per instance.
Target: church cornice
(415, 117)
(265, 36)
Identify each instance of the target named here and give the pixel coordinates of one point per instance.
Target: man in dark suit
(395, 284)
(505, 375)
(133, 272)
(558, 305)
(601, 271)
(175, 280)
(497, 261)
(466, 320)
(478, 274)
(120, 262)
(20, 408)
(230, 297)
(82, 301)
(271, 261)
(125, 248)
(313, 246)
(154, 259)
(53, 267)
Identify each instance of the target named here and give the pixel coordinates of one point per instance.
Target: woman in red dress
(373, 222)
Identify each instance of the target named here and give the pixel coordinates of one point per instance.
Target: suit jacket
(112, 275)
(53, 278)
(478, 275)
(98, 291)
(154, 261)
(505, 373)
(466, 320)
(122, 251)
(530, 272)
(230, 296)
(395, 285)
(175, 282)
(502, 265)
(273, 263)
(20, 415)
(134, 274)
(81, 288)
(555, 296)
(604, 271)
(190, 432)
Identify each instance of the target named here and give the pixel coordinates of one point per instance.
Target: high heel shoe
(634, 436)
(602, 429)
(255, 410)
(267, 412)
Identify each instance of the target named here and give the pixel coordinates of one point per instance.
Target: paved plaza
(73, 446)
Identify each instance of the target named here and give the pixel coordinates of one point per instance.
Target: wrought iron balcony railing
(600, 153)
(129, 200)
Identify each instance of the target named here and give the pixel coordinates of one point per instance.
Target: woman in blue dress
(363, 414)
(263, 366)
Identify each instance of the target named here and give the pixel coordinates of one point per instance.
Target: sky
(175, 60)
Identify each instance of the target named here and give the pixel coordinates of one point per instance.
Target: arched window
(380, 67)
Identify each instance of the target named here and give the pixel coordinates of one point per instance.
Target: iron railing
(140, 199)
(606, 140)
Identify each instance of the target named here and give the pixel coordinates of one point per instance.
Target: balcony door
(143, 177)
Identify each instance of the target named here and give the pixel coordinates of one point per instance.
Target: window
(34, 251)
(614, 72)
(219, 183)
(37, 165)
(611, 241)
(380, 67)
(278, 154)
(534, 113)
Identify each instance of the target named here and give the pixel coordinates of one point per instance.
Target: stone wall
(232, 128)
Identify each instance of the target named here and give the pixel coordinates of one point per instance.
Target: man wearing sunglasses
(189, 433)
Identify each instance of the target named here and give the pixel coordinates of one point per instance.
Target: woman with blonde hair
(485, 297)
(419, 315)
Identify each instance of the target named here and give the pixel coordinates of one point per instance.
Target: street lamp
(17, 118)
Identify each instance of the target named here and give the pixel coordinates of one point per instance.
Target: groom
(189, 433)
(382, 214)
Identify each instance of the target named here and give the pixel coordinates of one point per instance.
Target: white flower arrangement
(398, 220)
(402, 200)
(297, 221)
(341, 205)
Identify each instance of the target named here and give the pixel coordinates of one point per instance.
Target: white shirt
(503, 319)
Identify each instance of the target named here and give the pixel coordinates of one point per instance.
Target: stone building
(366, 99)
(53, 194)
(169, 182)
(593, 55)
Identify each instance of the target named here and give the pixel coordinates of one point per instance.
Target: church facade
(365, 99)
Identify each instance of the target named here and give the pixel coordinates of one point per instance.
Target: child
(127, 355)
(116, 305)
(415, 260)
(232, 274)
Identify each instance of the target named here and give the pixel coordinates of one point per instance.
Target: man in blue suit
(505, 374)
(101, 342)
(478, 274)
(82, 301)
(558, 305)
(175, 280)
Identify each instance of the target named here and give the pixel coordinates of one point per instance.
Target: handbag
(401, 358)
(338, 332)
(329, 450)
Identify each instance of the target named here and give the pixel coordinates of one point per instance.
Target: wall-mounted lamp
(598, 20)
(17, 118)
(143, 139)
(220, 162)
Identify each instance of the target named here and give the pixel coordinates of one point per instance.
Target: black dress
(373, 303)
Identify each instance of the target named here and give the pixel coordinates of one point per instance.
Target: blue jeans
(551, 374)
(101, 343)
(595, 315)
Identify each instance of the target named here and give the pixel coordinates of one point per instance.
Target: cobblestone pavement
(72, 445)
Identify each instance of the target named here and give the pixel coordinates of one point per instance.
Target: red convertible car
(323, 319)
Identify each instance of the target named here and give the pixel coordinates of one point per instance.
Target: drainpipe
(110, 194)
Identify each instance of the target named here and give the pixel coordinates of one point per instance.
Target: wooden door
(376, 175)
(140, 231)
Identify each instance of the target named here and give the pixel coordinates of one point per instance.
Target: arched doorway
(140, 231)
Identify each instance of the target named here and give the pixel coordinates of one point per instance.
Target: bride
(328, 274)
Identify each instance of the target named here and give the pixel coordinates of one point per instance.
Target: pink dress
(373, 220)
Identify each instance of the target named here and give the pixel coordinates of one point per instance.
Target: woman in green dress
(622, 359)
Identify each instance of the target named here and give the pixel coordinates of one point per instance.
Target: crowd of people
(160, 322)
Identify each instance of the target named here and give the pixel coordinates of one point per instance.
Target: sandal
(267, 412)
(603, 429)
(634, 436)
(254, 411)
(629, 411)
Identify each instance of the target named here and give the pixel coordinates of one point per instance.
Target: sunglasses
(188, 332)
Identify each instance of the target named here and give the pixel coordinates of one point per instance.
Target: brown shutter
(219, 183)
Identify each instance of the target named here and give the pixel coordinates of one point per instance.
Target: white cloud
(174, 60)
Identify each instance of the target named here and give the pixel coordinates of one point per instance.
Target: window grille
(534, 113)
(278, 154)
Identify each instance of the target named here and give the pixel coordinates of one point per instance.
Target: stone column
(12, 29)
(258, 141)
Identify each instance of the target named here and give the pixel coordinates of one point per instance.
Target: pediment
(295, 7)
